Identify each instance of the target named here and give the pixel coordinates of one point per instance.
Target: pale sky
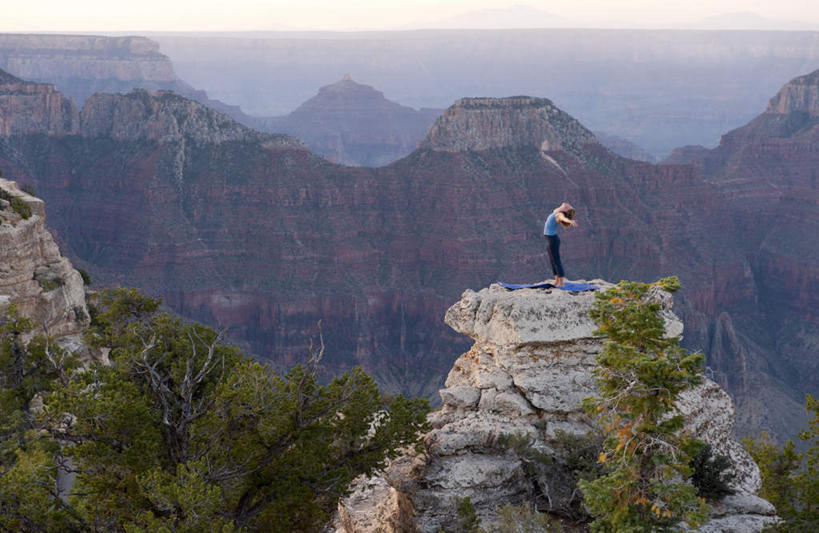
(238, 15)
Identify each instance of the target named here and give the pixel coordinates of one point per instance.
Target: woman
(563, 215)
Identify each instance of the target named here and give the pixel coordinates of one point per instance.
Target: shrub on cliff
(790, 479)
(183, 433)
(640, 375)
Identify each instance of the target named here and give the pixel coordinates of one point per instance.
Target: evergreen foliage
(640, 376)
(17, 204)
(711, 473)
(86, 277)
(182, 432)
(29, 459)
(525, 519)
(790, 479)
(468, 521)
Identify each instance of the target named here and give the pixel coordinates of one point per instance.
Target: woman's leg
(554, 258)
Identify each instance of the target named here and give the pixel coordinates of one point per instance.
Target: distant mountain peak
(517, 121)
(346, 94)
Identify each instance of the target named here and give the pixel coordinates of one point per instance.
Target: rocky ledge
(518, 121)
(526, 374)
(33, 275)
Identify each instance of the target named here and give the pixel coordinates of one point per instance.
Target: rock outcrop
(121, 58)
(521, 121)
(29, 108)
(527, 373)
(73, 62)
(34, 277)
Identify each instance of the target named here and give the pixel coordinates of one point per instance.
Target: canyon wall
(767, 173)
(255, 233)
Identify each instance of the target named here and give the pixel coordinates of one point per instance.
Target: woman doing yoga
(563, 215)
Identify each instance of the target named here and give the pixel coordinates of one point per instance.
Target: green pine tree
(640, 376)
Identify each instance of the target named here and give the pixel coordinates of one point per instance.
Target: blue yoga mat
(573, 287)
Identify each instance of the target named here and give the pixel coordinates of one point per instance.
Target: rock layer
(527, 373)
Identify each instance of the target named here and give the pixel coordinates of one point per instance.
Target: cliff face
(84, 56)
(354, 124)
(257, 234)
(33, 275)
(528, 371)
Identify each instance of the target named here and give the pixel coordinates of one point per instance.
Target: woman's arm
(563, 219)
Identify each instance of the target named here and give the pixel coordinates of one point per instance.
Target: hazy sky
(232, 15)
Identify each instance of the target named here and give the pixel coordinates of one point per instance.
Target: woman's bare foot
(558, 281)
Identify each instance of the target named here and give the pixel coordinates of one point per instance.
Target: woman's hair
(567, 211)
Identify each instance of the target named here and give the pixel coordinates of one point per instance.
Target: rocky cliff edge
(527, 373)
(34, 277)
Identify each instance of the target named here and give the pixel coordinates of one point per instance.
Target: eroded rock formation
(527, 373)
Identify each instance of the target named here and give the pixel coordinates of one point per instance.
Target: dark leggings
(554, 255)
